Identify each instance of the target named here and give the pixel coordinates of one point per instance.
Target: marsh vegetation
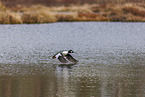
(126, 12)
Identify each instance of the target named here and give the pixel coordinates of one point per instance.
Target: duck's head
(70, 51)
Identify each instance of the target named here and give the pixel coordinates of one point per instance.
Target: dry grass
(73, 8)
(67, 17)
(10, 18)
(92, 17)
(2, 7)
(23, 8)
(132, 18)
(35, 14)
(38, 17)
(134, 12)
(134, 9)
(127, 12)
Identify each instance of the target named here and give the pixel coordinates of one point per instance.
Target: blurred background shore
(49, 11)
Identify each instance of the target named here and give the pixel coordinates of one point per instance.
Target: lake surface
(111, 60)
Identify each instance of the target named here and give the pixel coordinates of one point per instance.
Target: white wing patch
(58, 55)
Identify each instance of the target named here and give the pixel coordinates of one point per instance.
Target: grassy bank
(128, 12)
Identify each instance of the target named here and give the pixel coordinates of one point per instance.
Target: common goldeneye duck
(64, 56)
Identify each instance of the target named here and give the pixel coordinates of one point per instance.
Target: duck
(64, 56)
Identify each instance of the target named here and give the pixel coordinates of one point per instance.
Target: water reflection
(75, 81)
(111, 60)
(28, 83)
(63, 74)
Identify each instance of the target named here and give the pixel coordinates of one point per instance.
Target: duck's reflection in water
(63, 74)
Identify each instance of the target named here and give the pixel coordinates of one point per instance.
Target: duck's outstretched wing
(62, 59)
(70, 58)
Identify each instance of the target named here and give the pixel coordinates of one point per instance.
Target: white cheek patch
(58, 55)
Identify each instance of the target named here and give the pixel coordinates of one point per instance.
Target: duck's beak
(53, 57)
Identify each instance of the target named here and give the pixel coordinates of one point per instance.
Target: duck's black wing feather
(70, 58)
(62, 59)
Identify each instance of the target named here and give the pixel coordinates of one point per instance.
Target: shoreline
(72, 22)
(39, 14)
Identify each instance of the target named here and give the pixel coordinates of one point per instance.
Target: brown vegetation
(9, 17)
(66, 17)
(92, 17)
(134, 12)
(67, 2)
(38, 17)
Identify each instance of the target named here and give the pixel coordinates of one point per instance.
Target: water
(111, 60)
